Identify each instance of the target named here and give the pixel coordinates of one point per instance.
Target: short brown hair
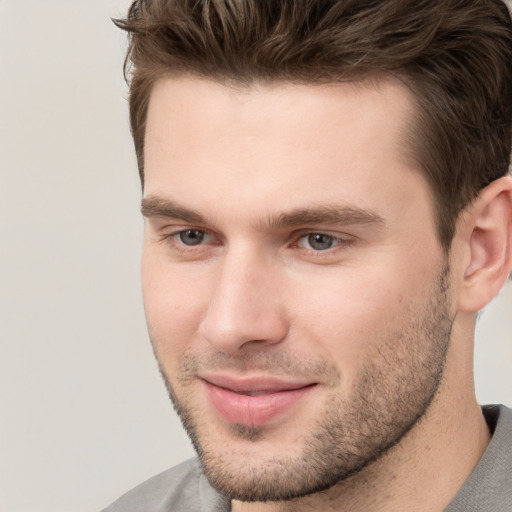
(455, 56)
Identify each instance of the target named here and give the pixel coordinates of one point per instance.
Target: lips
(253, 401)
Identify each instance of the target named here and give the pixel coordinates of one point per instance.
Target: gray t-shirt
(184, 488)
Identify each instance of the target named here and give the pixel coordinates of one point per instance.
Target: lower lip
(253, 410)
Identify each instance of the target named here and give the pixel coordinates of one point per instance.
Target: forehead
(188, 106)
(279, 144)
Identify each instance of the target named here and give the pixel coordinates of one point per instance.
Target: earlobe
(489, 245)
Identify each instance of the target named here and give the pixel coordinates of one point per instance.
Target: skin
(380, 323)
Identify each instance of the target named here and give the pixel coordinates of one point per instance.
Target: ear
(488, 241)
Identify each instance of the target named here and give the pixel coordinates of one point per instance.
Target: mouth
(254, 401)
(254, 393)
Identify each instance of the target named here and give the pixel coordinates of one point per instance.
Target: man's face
(295, 291)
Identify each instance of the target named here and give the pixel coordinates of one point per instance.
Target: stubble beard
(392, 393)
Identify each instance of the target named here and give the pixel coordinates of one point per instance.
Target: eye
(191, 236)
(318, 241)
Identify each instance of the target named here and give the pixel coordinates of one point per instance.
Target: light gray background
(83, 415)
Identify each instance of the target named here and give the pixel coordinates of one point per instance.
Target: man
(328, 205)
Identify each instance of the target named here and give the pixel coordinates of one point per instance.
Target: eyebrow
(159, 207)
(344, 215)
(154, 206)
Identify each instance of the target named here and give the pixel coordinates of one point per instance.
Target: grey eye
(320, 242)
(192, 236)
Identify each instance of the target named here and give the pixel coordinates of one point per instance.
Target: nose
(245, 309)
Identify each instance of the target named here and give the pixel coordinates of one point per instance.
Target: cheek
(349, 315)
(174, 304)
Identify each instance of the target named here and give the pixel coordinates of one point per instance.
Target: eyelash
(180, 247)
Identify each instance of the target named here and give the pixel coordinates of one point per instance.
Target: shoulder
(183, 487)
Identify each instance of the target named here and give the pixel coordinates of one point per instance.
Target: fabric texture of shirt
(184, 488)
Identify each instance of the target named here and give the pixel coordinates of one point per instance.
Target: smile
(254, 402)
